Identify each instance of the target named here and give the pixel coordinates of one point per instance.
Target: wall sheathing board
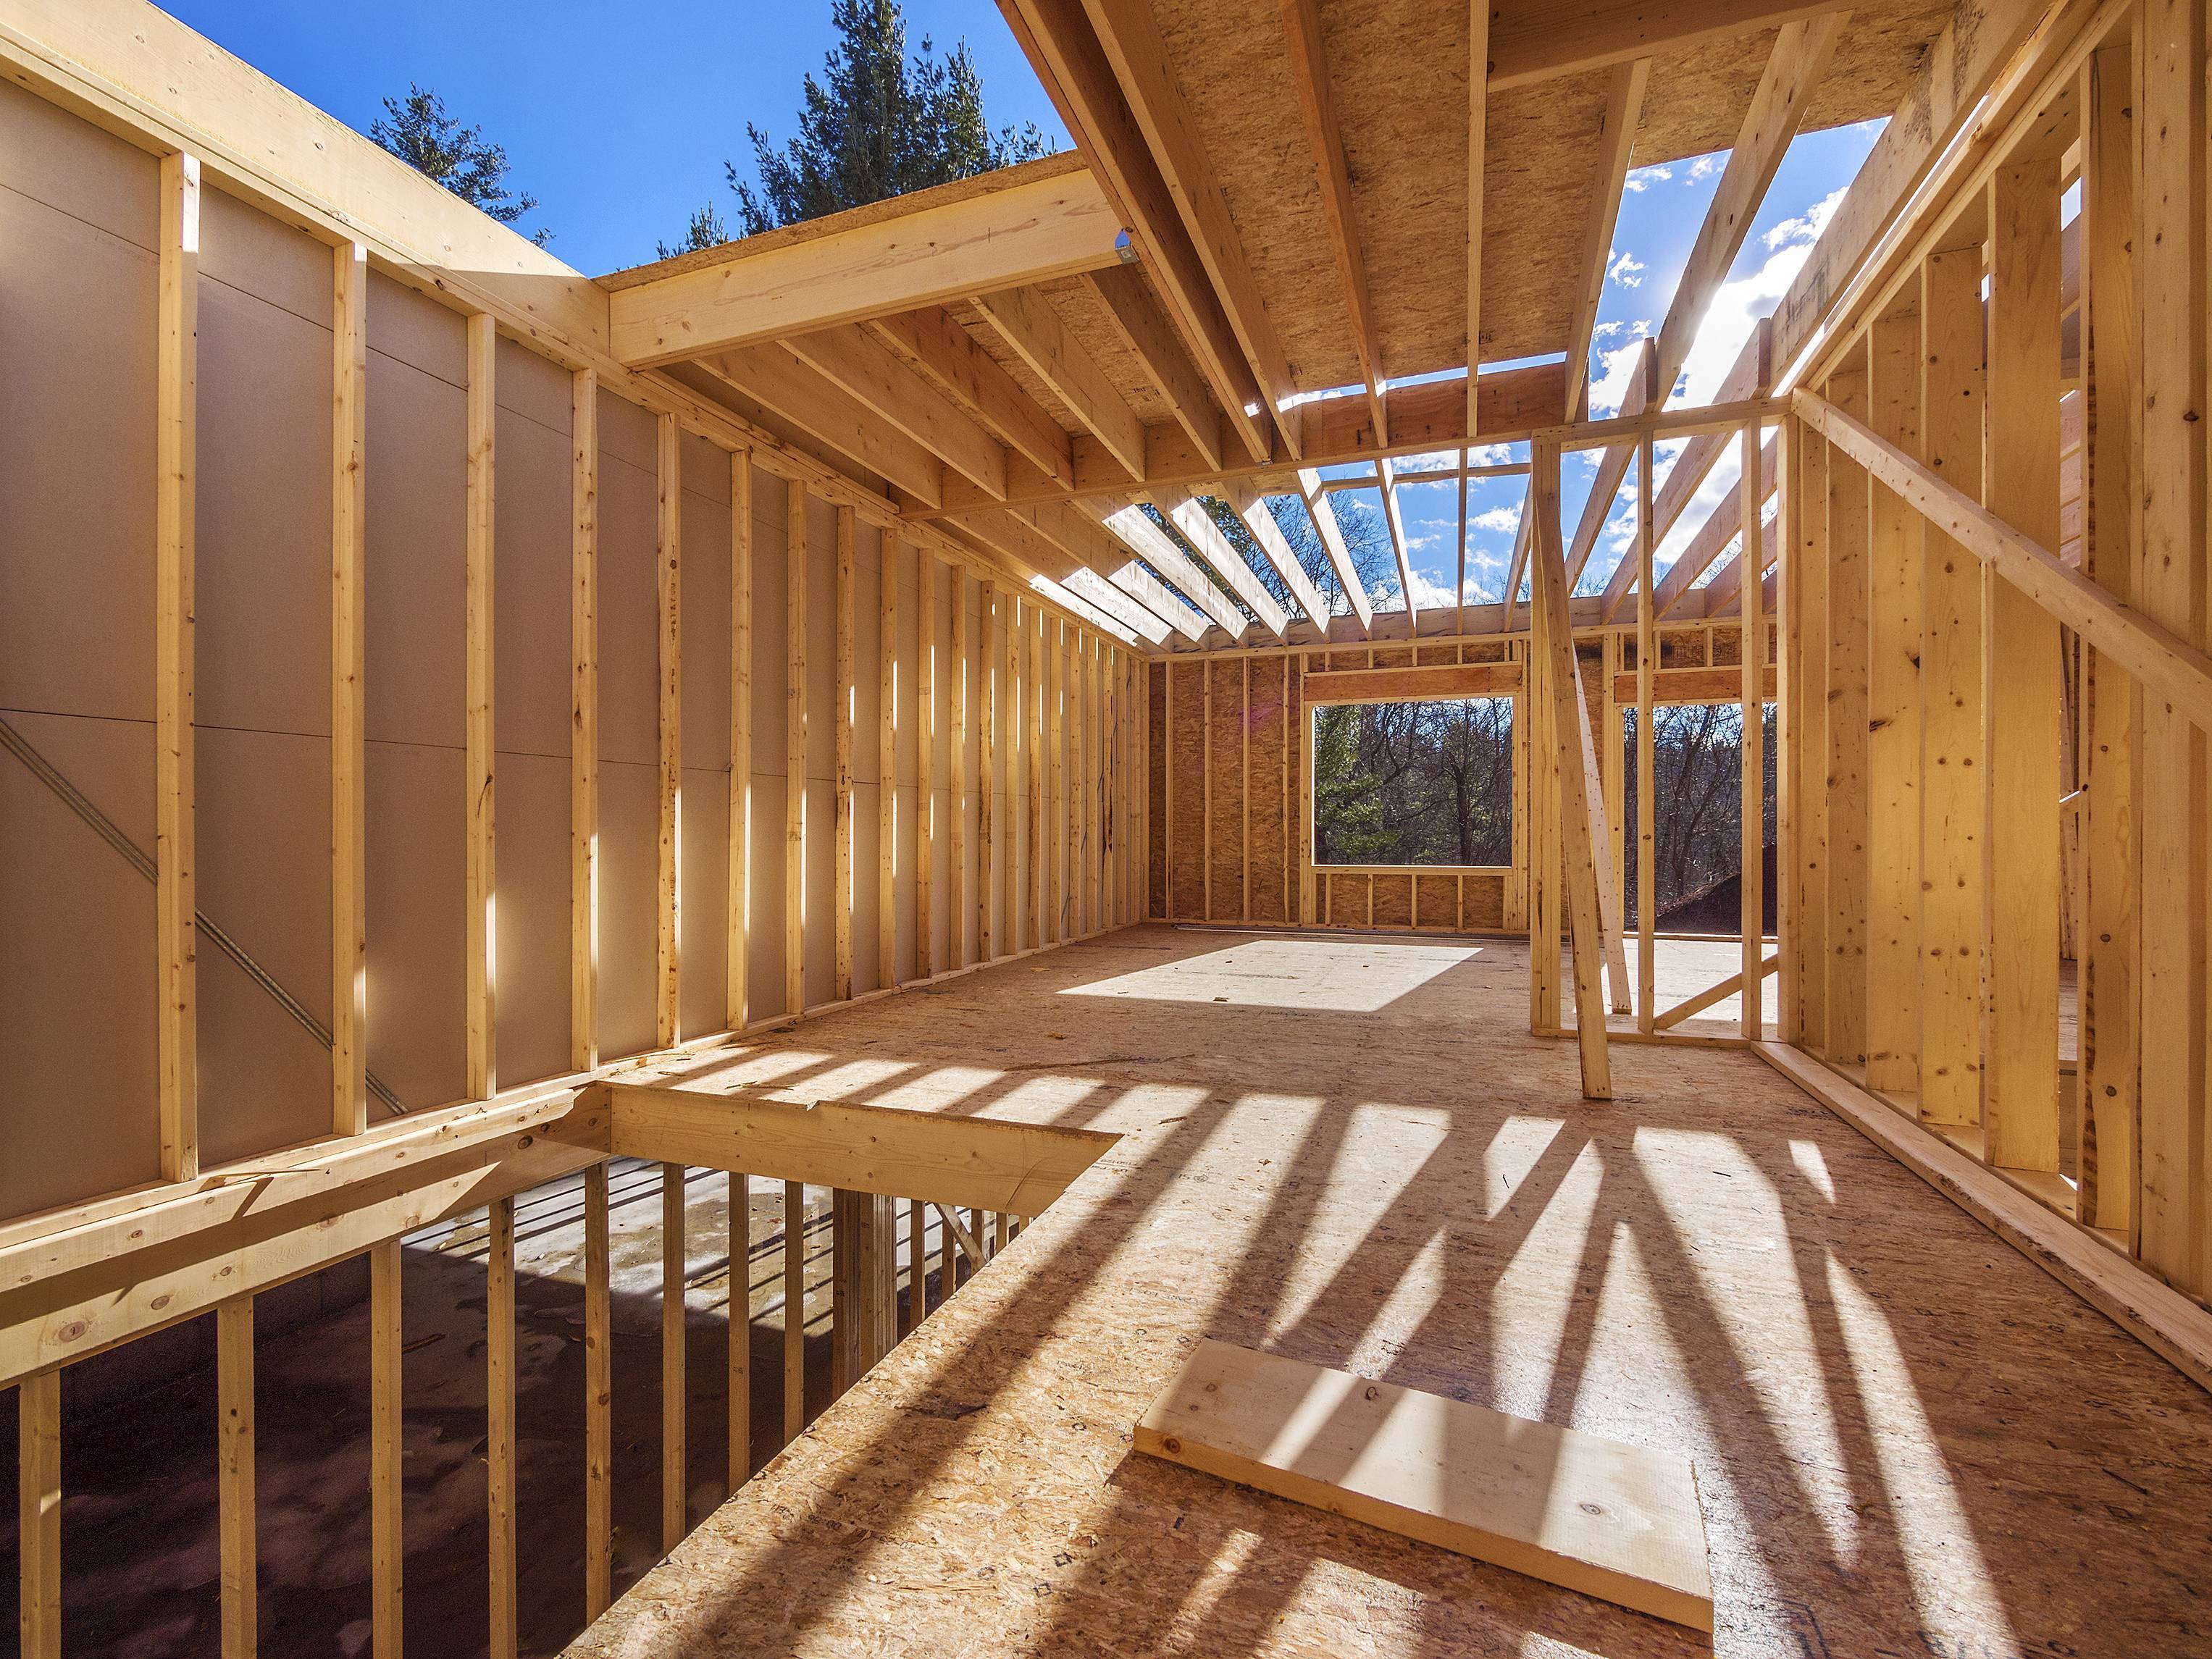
(1186, 746)
(1226, 838)
(629, 728)
(1275, 765)
(821, 952)
(703, 798)
(262, 685)
(531, 720)
(867, 761)
(1156, 788)
(1269, 804)
(764, 868)
(415, 597)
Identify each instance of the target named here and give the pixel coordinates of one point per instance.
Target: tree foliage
(1415, 783)
(1698, 811)
(423, 133)
(880, 124)
(705, 229)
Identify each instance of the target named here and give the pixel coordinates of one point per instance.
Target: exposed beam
(1064, 49)
(1330, 534)
(1947, 88)
(1027, 322)
(2166, 664)
(1138, 617)
(1144, 329)
(1157, 549)
(1188, 514)
(1259, 519)
(1753, 374)
(948, 355)
(1624, 113)
(1309, 64)
(850, 357)
(1386, 476)
(1725, 525)
(1015, 1169)
(1156, 597)
(1794, 67)
(1478, 164)
(1725, 591)
(1641, 397)
(780, 383)
(1093, 550)
(1425, 417)
(1128, 31)
(1027, 231)
(1537, 39)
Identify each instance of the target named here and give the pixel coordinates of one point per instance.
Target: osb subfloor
(1909, 1440)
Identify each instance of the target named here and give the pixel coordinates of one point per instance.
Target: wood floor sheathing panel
(1909, 1440)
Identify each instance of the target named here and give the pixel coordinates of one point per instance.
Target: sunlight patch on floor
(1342, 976)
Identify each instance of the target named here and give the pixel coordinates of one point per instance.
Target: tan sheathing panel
(1270, 806)
(1393, 900)
(630, 729)
(867, 761)
(1399, 72)
(416, 696)
(764, 867)
(531, 608)
(261, 618)
(821, 746)
(76, 960)
(703, 853)
(418, 931)
(1485, 901)
(532, 1010)
(1186, 734)
(1156, 785)
(1225, 848)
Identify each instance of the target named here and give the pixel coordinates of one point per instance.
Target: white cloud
(1808, 226)
(1611, 385)
(1705, 166)
(1738, 305)
(1499, 520)
(1490, 455)
(1644, 178)
(1625, 268)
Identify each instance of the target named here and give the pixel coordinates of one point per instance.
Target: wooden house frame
(957, 467)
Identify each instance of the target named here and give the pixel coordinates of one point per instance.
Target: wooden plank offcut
(1572, 1509)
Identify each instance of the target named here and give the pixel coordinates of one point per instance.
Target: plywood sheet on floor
(1909, 1439)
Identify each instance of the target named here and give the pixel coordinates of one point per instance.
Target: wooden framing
(175, 392)
(668, 568)
(795, 751)
(348, 689)
(841, 900)
(1926, 601)
(482, 357)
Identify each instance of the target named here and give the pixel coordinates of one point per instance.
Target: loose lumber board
(1576, 1510)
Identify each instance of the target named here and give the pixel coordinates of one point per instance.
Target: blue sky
(622, 142)
(617, 119)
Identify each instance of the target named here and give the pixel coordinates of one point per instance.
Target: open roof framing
(1189, 309)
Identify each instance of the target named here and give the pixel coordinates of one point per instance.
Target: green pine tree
(421, 131)
(883, 125)
(705, 229)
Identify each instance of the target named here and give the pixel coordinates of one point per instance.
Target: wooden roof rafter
(1064, 48)
(1128, 32)
(1251, 506)
(1190, 516)
(1800, 55)
(948, 355)
(1308, 58)
(1157, 549)
(1623, 109)
(1313, 494)
(1721, 529)
(1025, 319)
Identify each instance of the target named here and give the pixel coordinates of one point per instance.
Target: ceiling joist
(1191, 518)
